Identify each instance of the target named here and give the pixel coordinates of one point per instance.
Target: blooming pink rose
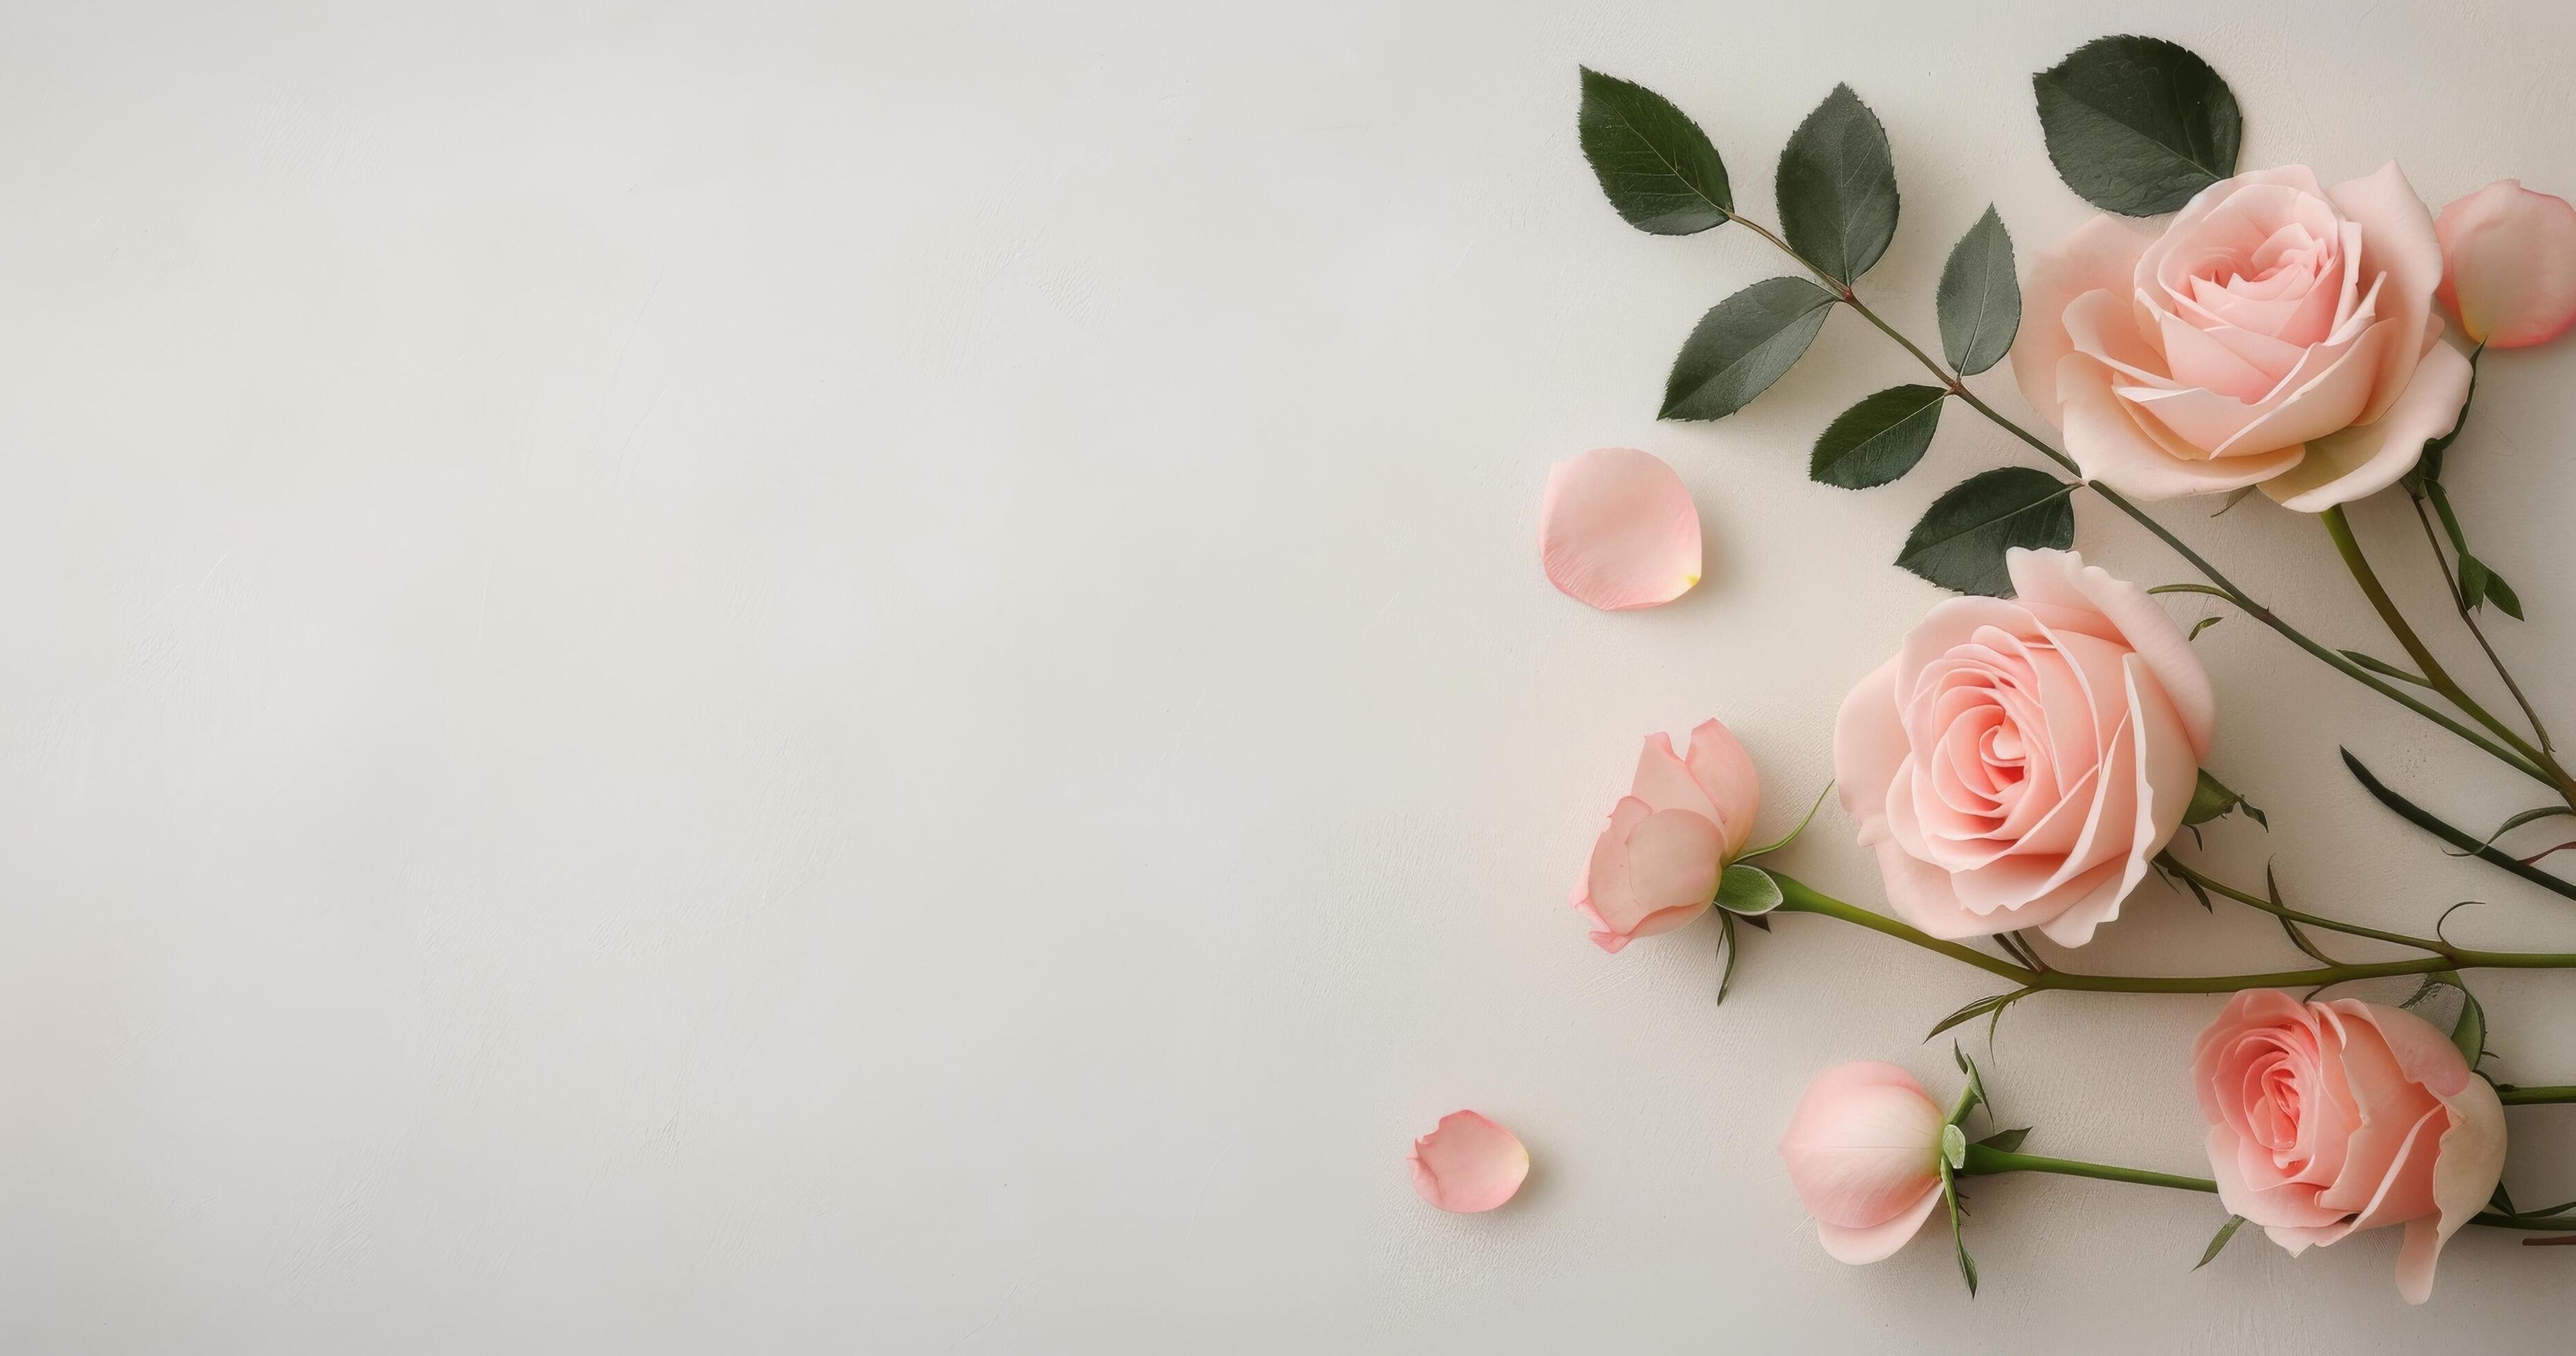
(2509, 264)
(2276, 334)
(1656, 867)
(2325, 1118)
(1864, 1155)
(2019, 762)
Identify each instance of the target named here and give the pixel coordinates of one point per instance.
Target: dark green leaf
(2218, 1244)
(2513, 823)
(2005, 1141)
(2137, 125)
(1980, 299)
(1747, 889)
(1837, 187)
(2210, 798)
(1726, 951)
(1878, 439)
(1960, 541)
(1742, 346)
(1655, 164)
(2202, 625)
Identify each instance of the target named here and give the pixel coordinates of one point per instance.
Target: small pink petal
(1877, 1242)
(1468, 1164)
(2509, 258)
(1617, 530)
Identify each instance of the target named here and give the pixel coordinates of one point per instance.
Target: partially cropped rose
(1864, 1155)
(2509, 265)
(2328, 1118)
(1686, 816)
(2276, 334)
(2020, 761)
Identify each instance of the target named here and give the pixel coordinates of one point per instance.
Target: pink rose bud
(1864, 1155)
(1656, 866)
(2328, 1118)
(2509, 264)
(2020, 761)
(2276, 333)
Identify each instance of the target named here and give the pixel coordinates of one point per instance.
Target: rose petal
(2062, 591)
(1878, 1242)
(1468, 1164)
(1869, 744)
(2509, 258)
(1724, 770)
(1617, 530)
(2111, 447)
(2102, 254)
(2368, 458)
(2398, 242)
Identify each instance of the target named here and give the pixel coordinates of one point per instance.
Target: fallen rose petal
(1468, 1164)
(1617, 530)
(2510, 264)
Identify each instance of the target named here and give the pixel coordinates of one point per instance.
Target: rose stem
(2537, 1096)
(2435, 676)
(2176, 865)
(2468, 618)
(1798, 897)
(1957, 386)
(1986, 1161)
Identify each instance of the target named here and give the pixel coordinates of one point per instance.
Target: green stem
(2185, 870)
(1957, 386)
(2469, 619)
(1985, 1160)
(2537, 1096)
(2435, 676)
(1798, 897)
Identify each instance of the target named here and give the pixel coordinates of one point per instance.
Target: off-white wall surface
(734, 677)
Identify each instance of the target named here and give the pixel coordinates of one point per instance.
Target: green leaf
(1974, 1094)
(2005, 1141)
(1980, 299)
(1747, 889)
(1742, 346)
(1837, 187)
(1960, 541)
(1653, 162)
(1878, 439)
(2469, 1033)
(1954, 1146)
(1726, 951)
(2511, 824)
(1967, 1264)
(1979, 1008)
(2383, 668)
(2218, 1244)
(2209, 800)
(2137, 125)
(2202, 625)
(2502, 595)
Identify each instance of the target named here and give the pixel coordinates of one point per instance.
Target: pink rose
(1864, 1155)
(2326, 1118)
(1656, 867)
(2509, 264)
(2019, 762)
(2276, 334)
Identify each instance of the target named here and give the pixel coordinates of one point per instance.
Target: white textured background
(738, 677)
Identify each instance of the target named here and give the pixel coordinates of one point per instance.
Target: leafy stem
(2185, 870)
(2469, 618)
(2435, 676)
(1799, 897)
